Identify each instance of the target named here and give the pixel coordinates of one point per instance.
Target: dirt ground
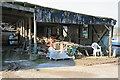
(87, 67)
(80, 68)
(97, 71)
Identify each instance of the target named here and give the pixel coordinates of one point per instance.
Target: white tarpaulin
(57, 54)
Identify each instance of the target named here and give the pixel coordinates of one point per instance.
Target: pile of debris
(11, 66)
(56, 49)
(14, 65)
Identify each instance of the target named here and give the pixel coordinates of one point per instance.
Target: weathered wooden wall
(73, 33)
(58, 16)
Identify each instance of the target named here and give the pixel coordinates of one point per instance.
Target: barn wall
(99, 29)
(58, 16)
(74, 35)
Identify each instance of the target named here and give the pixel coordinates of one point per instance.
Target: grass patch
(39, 62)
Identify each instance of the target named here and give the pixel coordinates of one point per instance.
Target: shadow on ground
(16, 59)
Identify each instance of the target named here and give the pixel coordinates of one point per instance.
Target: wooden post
(35, 35)
(25, 34)
(29, 35)
(21, 28)
(79, 34)
(24, 28)
(92, 33)
(110, 41)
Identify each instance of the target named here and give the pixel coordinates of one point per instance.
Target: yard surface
(80, 68)
(87, 67)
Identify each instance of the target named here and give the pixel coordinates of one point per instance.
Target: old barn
(35, 22)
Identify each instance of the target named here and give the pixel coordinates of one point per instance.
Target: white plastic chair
(96, 48)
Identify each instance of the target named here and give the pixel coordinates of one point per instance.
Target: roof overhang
(51, 15)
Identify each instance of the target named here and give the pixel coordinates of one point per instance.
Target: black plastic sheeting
(66, 17)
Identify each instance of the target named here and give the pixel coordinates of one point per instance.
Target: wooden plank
(86, 52)
(107, 27)
(65, 31)
(26, 28)
(68, 33)
(18, 7)
(110, 41)
(79, 34)
(23, 28)
(35, 35)
(29, 35)
(102, 35)
(25, 33)
(67, 17)
(15, 13)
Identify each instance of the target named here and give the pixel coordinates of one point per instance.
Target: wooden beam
(24, 34)
(102, 35)
(23, 29)
(35, 35)
(79, 34)
(65, 31)
(110, 41)
(26, 31)
(26, 27)
(29, 19)
(18, 7)
(107, 27)
(92, 34)
(15, 13)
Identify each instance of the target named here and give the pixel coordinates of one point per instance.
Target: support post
(20, 24)
(29, 35)
(25, 33)
(35, 35)
(110, 41)
(24, 28)
(21, 28)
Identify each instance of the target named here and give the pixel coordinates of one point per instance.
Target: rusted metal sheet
(58, 16)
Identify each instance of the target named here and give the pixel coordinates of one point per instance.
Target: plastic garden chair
(96, 48)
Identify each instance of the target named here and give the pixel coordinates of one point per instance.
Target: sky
(103, 8)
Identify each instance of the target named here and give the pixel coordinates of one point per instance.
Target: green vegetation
(39, 62)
